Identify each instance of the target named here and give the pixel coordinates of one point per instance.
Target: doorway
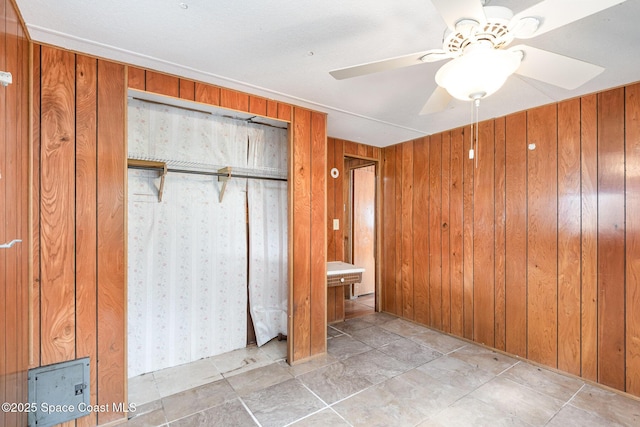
(360, 242)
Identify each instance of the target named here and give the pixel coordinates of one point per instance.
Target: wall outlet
(336, 224)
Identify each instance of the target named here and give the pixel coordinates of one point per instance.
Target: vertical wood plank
(435, 231)
(207, 94)
(446, 229)
(86, 216)
(111, 252)
(34, 359)
(272, 108)
(257, 105)
(162, 84)
(136, 78)
(187, 89)
(589, 236)
(318, 234)
(407, 231)
(339, 197)
(4, 282)
(632, 186)
(388, 230)
(234, 100)
(399, 230)
(467, 239)
(301, 249)
(569, 236)
(500, 233)
(516, 234)
(421, 230)
(331, 200)
(455, 231)
(331, 304)
(284, 111)
(483, 237)
(542, 238)
(57, 201)
(611, 239)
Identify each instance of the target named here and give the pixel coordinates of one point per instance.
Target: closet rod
(195, 172)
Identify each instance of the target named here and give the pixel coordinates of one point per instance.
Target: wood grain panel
(34, 324)
(388, 230)
(407, 230)
(589, 236)
(500, 234)
(284, 111)
(632, 198)
(86, 219)
(467, 233)
(611, 239)
(483, 237)
(350, 148)
(331, 304)
(207, 94)
(301, 248)
(4, 199)
(257, 105)
(399, 230)
(435, 231)
(421, 231)
(318, 234)
(111, 249)
(446, 236)
(162, 84)
(272, 108)
(136, 78)
(57, 201)
(234, 100)
(331, 200)
(542, 237)
(339, 199)
(187, 89)
(569, 236)
(455, 231)
(516, 234)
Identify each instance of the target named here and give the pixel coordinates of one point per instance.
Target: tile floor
(379, 371)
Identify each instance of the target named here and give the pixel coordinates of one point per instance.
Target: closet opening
(207, 201)
(360, 234)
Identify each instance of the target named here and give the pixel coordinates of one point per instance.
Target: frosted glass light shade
(479, 72)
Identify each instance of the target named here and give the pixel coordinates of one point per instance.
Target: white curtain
(267, 201)
(187, 264)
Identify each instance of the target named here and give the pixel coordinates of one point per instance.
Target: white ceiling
(284, 49)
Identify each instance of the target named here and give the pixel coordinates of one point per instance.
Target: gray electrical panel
(59, 392)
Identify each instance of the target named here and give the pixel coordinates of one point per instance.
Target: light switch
(336, 224)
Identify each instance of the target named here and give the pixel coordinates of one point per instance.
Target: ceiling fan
(480, 61)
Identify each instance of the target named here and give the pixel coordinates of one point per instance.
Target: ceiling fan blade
(559, 70)
(437, 102)
(453, 11)
(557, 13)
(375, 67)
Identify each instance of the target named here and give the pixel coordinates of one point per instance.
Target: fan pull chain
(471, 150)
(477, 105)
(473, 144)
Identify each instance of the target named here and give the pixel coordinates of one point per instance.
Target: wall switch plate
(336, 224)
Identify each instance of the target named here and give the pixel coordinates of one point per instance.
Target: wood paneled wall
(14, 191)
(307, 198)
(79, 220)
(535, 252)
(337, 150)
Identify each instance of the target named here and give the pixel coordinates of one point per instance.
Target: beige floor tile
(484, 358)
(344, 346)
(544, 381)
(228, 414)
(437, 341)
(197, 399)
(239, 361)
(454, 372)
(259, 378)
(409, 352)
(518, 401)
(609, 405)
(311, 365)
(334, 382)
(276, 350)
(282, 404)
(324, 418)
(570, 416)
(375, 336)
(470, 412)
(402, 327)
(184, 377)
(143, 389)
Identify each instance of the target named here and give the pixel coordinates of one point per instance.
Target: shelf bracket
(162, 177)
(224, 179)
(151, 164)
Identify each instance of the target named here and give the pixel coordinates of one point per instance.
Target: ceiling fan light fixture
(482, 69)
